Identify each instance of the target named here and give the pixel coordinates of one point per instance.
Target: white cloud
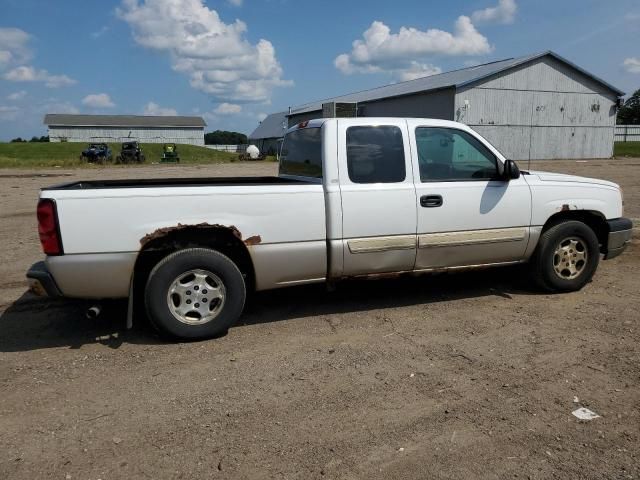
(216, 56)
(8, 112)
(98, 100)
(632, 64)
(418, 70)
(14, 46)
(30, 74)
(236, 3)
(100, 32)
(15, 52)
(153, 108)
(228, 109)
(504, 12)
(55, 106)
(17, 95)
(380, 50)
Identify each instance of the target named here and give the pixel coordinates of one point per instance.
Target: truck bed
(174, 182)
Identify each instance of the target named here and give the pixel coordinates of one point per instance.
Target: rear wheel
(194, 294)
(567, 257)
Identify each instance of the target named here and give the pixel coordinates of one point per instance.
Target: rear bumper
(41, 281)
(620, 231)
(91, 275)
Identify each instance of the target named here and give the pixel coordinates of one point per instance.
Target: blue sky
(233, 61)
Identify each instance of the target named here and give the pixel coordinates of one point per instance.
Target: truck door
(466, 214)
(378, 197)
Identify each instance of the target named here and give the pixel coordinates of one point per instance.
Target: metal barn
(120, 128)
(539, 106)
(269, 133)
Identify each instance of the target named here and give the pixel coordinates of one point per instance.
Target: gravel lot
(451, 376)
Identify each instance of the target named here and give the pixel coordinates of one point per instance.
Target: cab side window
(375, 154)
(448, 154)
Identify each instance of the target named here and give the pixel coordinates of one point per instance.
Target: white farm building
(539, 106)
(121, 128)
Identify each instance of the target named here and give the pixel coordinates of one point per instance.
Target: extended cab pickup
(354, 197)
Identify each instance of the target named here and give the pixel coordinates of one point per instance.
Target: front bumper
(41, 281)
(620, 231)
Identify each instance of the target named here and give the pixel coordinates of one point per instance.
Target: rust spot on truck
(566, 207)
(253, 240)
(164, 231)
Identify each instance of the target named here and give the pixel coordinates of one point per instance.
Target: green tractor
(170, 153)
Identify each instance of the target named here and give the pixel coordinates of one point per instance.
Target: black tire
(170, 269)
(547, 261)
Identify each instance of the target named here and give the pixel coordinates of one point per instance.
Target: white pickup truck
(354, 197)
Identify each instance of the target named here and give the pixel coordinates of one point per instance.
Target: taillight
(48, 227)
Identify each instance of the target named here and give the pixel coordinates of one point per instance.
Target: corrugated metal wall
(543, 110)
(189, 136)
(435, 104)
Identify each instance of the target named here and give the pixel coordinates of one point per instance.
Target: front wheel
(567, 257)
(194, 294)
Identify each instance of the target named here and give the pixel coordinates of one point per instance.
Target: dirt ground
(470, 375)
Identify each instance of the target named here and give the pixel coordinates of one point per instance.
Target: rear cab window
(375, 154)
(301, 154)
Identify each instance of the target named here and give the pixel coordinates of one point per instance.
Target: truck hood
(562, 177)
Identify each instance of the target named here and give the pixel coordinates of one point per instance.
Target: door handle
(430, 201)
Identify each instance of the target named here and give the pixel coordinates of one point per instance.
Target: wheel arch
(595, 220)
(163, 242)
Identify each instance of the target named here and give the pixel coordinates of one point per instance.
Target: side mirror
(511, 170)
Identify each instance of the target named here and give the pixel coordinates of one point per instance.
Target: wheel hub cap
(570, 258)
(196, 297)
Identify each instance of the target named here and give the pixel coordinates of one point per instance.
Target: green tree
(629, 113)
(17, 140)
(222, 137)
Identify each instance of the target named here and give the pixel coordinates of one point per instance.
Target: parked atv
(170, 153)
(130, 152)
(96, 153)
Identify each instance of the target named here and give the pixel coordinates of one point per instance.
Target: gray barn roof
(271, 126)
(67, 120)
(455, 78)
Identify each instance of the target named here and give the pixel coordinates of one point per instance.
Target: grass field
(16, 155)
(25, 155)
(627, 149)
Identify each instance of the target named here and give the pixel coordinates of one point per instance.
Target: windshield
(302, 153)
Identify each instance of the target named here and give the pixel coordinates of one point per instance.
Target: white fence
(228, 148)
(627, 133)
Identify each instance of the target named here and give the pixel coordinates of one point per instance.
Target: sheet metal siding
(438, 104)
(471, 76)
(546, 74)
(190, 136)
(545, 110)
